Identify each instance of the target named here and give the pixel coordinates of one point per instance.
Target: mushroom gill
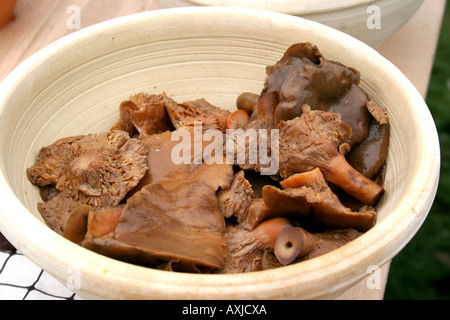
(96, 170)
(318, 139)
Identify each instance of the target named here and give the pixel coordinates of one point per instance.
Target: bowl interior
(75, 86)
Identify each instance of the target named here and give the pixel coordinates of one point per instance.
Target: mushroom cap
(162, 169)
(144, 114)
(311, 141)
(303, 76)
(159, 227)
(295, 57)
(186, 114)
(319, 202)
(96, 170)
(52, 160)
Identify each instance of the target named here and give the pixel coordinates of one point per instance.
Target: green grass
(422, 269)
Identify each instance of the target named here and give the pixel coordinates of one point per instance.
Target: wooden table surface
(40, 22)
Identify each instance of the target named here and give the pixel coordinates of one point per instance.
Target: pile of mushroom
(120, 194)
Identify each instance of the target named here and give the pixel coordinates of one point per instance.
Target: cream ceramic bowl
(75, 85)
(372, 22)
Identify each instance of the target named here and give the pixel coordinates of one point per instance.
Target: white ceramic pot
(372, 22)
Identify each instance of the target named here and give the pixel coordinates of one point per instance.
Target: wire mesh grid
(21, 279)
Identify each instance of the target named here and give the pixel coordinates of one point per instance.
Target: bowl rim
(366, 249)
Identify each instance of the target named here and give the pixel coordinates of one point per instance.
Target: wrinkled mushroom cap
(303, 76)
(96, 170)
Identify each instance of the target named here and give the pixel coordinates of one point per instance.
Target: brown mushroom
(294, 59)
(53, 159)
(88, 222)
(96, 170)
(163, 170)
(257, 212)
(162, 225)
(102, 222)
(295, 244)
(328, 87)
(77, 224)
(191, 203)
(319, 139)
(369, 156)
(235, 200)
(247, 102)
(99, 236)
(303, 76)
(180, 228)
(144, 115)
(246, 248)
(314, 199)
(110, 247)
(188, 113)
(236, 120)
(250, 142)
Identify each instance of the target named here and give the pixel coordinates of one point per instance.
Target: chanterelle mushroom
(96, 169)
(319, 139)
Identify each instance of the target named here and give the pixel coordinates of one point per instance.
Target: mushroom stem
(269, 230)
(236, 120)
(293, 243)
(342, 174)
(247, 248)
